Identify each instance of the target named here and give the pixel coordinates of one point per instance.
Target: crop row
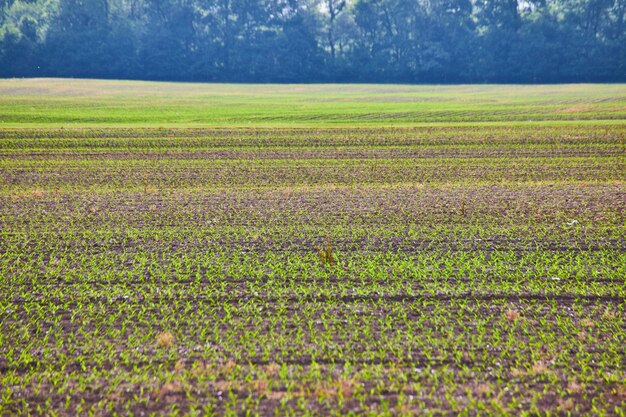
(313, 271)
(176, 138)
(413, 212)
(218, 352)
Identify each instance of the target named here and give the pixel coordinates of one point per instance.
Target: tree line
(403, 41)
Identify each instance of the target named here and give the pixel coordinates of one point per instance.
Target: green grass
(53, 102)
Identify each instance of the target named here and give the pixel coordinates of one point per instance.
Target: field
(178, 249)
(50, 102)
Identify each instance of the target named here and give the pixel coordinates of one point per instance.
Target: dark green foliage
(407, 41)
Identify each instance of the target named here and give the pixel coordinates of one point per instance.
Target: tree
(76, 43)
(414, 41)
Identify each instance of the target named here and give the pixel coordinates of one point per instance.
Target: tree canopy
(405, 41)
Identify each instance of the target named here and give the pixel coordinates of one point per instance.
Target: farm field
(79, 103)
(449, 265)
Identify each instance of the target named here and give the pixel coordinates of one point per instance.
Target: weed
(326, 253)
(165, 339)
(574, 387)
(540, 367)
(483, 390)
(512, 314)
